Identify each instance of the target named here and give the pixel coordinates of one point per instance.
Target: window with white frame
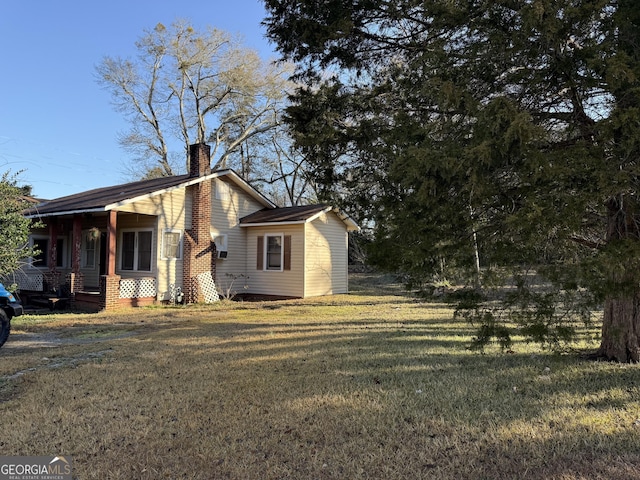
(89, 249)
(171, 244)
(136, 247)
(273, 252)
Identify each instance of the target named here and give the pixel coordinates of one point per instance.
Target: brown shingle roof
(103, 199)
(283, 215)
(100, 198)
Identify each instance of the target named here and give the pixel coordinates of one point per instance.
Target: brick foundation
(109, 292)
(75, 283)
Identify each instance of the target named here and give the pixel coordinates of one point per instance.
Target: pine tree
(507, 130)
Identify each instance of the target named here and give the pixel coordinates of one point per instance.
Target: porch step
(88, 300)
(51, 301)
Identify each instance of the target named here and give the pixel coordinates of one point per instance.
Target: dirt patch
(52, 339)
(19, 343)
(49, 363)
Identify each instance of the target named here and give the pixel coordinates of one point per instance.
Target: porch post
(110, 283)
(75, 279)
(53, 244)
(52, 276)
(77, 244)
(111, 242)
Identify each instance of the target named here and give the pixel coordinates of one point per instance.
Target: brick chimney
(199, 160)
(198, 247)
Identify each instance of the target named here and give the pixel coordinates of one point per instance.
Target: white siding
(326, 253)
(170, 209)
(285, 283)
(170, 206)
(173, 216)
(225, 216)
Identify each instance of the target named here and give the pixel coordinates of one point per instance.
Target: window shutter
(287, 252)
(260, 253)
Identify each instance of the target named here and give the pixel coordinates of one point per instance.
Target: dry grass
(345, 387)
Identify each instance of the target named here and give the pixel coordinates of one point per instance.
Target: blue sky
(56, 122)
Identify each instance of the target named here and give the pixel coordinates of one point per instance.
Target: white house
(141, 242)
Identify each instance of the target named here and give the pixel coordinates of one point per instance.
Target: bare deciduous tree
(187, 86)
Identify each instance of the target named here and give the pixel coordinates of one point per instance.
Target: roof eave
(346, 219)
(271, 224)
(67, 212)
(352, 226)
(317, 214)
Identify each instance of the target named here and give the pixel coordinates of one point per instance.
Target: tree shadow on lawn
(351, 398)
(480, 416)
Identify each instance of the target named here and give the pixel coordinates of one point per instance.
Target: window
(274, 252)
(41, 245)
(89, 247)
(171, 244)
(136, 250)
(41, 259)
(61, 253)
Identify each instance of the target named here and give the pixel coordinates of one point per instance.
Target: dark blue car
(9, 308)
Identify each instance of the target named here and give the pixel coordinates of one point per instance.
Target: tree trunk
(621, 329)
(621, 321)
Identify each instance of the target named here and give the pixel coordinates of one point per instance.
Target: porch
(76, 264)
(57, 292)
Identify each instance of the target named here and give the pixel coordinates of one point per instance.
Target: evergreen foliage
(14, 227)
(505, 129)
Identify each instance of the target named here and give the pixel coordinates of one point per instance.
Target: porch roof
(109, 198)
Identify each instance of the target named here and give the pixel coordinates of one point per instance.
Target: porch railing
(33, 282)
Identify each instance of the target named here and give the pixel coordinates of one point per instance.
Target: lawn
(375, 385)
